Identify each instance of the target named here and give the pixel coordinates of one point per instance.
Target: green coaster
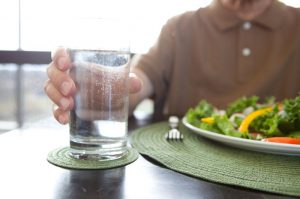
(206, 159)
(60, 157)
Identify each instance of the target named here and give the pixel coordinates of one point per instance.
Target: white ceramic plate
(266, 147)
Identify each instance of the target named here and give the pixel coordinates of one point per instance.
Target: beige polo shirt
(211, 54)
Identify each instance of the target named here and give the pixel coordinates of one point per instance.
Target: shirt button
(247, 25)
(246, 52)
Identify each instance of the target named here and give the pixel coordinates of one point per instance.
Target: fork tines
(174, 134)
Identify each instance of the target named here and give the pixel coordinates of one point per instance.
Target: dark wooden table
(25, 173)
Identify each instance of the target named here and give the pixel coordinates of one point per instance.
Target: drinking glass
(100, 69)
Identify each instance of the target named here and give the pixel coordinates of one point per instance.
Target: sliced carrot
(285, 140)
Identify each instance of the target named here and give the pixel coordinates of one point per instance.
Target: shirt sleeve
(157, 63)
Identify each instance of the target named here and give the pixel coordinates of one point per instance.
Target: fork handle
(173, 122)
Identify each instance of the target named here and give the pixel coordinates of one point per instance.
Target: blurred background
(30, 29)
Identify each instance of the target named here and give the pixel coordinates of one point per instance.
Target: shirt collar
(224, 19)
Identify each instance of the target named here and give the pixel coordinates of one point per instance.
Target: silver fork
(173, 133)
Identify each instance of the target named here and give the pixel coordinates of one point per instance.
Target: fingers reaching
(61, 116)
(60, 87)
(61, 59)
(61, 80)
(64, 103)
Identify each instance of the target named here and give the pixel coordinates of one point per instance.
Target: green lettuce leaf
(295, 134)
(240, 104)
(203, 109)
(224, 126)
(267, 124)
(290, 119)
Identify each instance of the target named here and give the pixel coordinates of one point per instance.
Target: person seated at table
(231, 48)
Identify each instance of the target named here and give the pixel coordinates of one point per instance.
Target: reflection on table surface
(25, 172)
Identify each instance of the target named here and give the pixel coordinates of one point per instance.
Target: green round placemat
(213, 161)
(60, 157)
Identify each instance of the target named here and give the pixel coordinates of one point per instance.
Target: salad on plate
(251, 118)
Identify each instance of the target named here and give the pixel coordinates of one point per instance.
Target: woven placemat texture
(213, 161)
(60, 157)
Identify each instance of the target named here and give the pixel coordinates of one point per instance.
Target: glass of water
(100, 70)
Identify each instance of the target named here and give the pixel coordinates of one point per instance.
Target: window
(47, 24)
(9, 23)
(8, 105)
(36, 104)
(34, 25)
(43, 25)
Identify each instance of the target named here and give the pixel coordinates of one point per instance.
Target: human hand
(61, 88)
